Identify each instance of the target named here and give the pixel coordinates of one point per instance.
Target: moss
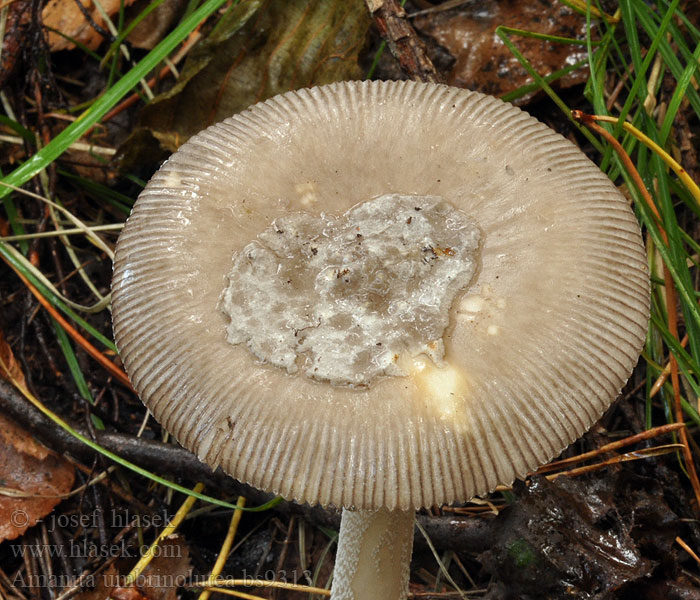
(522, 553)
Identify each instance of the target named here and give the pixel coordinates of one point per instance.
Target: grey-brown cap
(538, 345)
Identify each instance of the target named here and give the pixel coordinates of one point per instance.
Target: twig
(171, 527)
(79, 146)
(661, 379)
(628, 441)
(688, 549)
(213, 584)
(448, 5)
(225, 547)
(448, 533)
(235, 593)
(444, 595)
(285, 547)
(617, 459)
(90, 21)
(166, 458)
(402, 40)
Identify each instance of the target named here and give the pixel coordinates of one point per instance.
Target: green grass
(673, 53)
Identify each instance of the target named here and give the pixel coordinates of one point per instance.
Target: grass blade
(102, 105)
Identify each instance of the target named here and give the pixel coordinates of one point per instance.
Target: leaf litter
(160, 580)
(259, 49)
(484, 63)
(66, 17)
(33, 480)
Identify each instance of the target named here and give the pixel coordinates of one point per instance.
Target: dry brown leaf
(159, 580)
(125, 593)
(66, 17)
(154, 27)
(263, 48)
(34, 479)
(10, 369)
(102, 585)
(484, 63)
(168, 570)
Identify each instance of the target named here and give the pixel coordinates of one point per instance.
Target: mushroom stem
(374, 555)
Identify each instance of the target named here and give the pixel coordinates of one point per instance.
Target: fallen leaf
(570, 538)
(485, 64)
(262, 49)
(10, 369)
(167, 571)
(153, 28)
(65, 17)
(102, 585)
(126, 593)
(34, 480)
(160, 580)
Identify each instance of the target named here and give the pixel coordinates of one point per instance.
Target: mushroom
(380, 296)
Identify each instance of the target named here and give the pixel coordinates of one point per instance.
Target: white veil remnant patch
(345, 299)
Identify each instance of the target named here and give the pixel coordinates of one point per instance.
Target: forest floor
(91, 106)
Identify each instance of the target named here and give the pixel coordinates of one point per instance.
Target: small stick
(402, 39)
(661, 379)
(285, 546)
(632, 439)
(234, 593)
(688, 549)
(620, 458)
(168, 530)
(259, 583)
(226, 546)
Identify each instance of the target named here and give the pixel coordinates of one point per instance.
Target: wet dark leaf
(262, 49)
(154, 27)
(166, 572)
(16, 37)
(102, 585)
(565, 539)
(485, 64)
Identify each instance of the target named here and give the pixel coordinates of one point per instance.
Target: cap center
(346, 299)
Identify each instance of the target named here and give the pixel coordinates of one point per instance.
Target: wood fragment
(16, 37)
(402, 39)
(642, 436)
(688, 549)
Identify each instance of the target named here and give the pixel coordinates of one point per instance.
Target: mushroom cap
(538, 345)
